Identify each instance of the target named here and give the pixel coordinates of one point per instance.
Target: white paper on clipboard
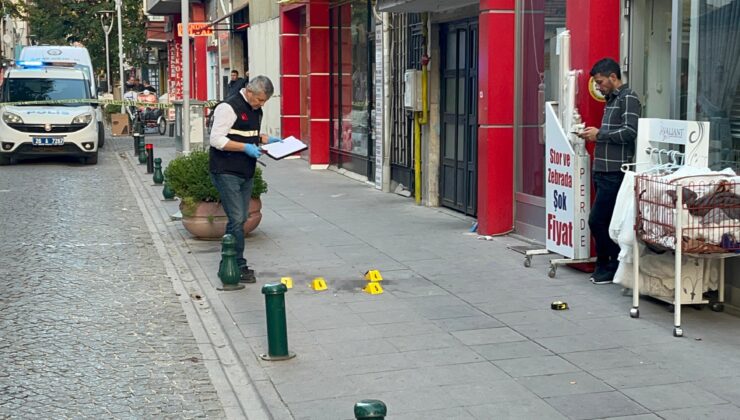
(287, 147)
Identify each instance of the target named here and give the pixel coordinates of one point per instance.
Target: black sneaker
(604, 276)
(246, 275)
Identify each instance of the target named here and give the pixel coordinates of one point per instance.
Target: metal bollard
(158, 178)
(228, 271)
(149, 158)
(167, 192)
(137, 143)
(137, 136)
(370, 409)
(277, 328)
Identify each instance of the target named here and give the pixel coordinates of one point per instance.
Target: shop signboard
(196, 29)
(567, 191)
(379, 106)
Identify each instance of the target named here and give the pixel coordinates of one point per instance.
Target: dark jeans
(235, 193)
(607, 186)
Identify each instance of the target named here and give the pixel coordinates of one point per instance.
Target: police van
(66, 126)
(64, 53)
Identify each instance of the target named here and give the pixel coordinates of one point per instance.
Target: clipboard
(289, 146)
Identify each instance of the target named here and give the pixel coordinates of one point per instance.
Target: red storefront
(514, 52)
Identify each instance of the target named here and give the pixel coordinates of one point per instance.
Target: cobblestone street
(90, 325)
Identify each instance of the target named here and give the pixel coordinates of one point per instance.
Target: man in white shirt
(235, 147)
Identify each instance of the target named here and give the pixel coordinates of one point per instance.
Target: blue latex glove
(252, 150)
(272, 139)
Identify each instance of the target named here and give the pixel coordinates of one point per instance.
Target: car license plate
(47, 141)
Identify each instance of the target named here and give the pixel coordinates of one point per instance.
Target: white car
(57, 129)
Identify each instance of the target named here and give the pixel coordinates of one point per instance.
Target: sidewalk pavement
(463, 329)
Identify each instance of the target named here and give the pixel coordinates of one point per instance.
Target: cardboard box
(119, 125)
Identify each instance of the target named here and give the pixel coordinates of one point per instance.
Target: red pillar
(199, 53)
(290, 71)
(496, 117)
(594, 34)
(319, 82)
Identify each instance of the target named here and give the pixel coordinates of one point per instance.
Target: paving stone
(531, 408)
(596, 405)
(511, 350)
(577, 343)
(638, 376)
(564, 384)
(468, 323)
(425, 341)
(672, 396)
(535, 366)
(604, 359)
(488, 336)
(725, 388)
(358, 348)
(711, 412)
(488, 392)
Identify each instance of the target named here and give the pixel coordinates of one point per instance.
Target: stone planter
(208, 221)
(255, 215)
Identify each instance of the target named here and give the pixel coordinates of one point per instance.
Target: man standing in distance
(615, 145)
(235, 84)
(235, 147)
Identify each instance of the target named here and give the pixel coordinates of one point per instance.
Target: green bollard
(167, 192)
(142, 151)
(277, 328)
(228, 271)
(158, 177)
(370, 409)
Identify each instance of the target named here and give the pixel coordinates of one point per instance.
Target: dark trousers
(235, 193)
(607, 186)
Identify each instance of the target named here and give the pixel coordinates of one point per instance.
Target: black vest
(238, 163)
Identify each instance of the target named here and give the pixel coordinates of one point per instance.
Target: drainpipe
(386, 102)
(421, 118)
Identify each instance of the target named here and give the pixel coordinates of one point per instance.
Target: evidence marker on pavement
(318, 284)
(373, 275)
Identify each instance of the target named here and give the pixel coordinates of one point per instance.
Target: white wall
(264, 59)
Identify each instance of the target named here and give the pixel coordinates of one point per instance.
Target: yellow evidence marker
(373, 288)
(318, 284)
(373, 275)
(287, 281)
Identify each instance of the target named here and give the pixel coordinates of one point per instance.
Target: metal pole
(107, 65)
(120, 50)
(185, 10)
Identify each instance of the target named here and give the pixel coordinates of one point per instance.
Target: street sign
(196, 29)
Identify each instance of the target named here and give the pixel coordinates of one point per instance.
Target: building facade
(489, 67)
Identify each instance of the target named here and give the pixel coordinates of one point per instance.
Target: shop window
(351, 66)
(542, 20)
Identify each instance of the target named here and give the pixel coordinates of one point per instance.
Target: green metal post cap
(228, 239)
(274, 289)
(157, 160)
(370, 409)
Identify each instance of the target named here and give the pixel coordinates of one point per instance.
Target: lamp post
(107, 14)
(120, 49)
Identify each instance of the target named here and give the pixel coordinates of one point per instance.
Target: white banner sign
(567, 193)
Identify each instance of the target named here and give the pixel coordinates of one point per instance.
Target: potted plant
(202, 213)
